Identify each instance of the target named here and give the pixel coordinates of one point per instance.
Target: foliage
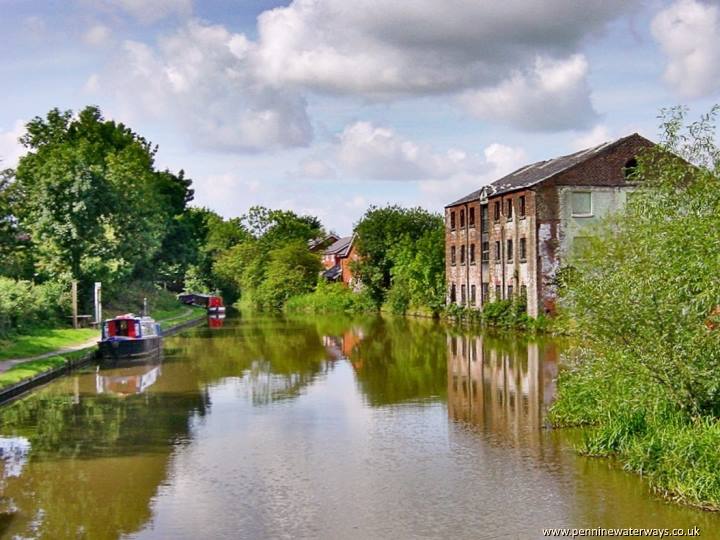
(402, 247)
(24, 305)
(291, 270)
(644, 297)
(331, 298)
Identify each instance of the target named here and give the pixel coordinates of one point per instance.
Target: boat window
(122, 328)
(148, 329)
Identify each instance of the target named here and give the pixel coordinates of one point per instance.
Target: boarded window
(581, 202)
(484, 218)
(509, 250)
(523, 249)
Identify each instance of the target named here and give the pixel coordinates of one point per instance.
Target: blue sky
(327, 106)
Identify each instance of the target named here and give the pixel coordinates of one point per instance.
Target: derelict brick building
(510, 237)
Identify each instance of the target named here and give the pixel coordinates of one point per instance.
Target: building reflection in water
(341, 347)
(501, 386)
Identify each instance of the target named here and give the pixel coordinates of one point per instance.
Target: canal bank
(267, 426)
(25, 375)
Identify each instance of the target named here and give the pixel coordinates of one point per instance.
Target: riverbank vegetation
(644, 296)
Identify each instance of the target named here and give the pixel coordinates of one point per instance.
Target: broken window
(509, 250)
(471, 217)
(497, 251)
(509, 209)
(523, 249)
(497, 211)
(452, 255)
(581, 203)
(452, 293)
(521, 205)
(485, 251)
(484, 218)
(630, 169)
(472, 253)
(462, 254)
(462, 219)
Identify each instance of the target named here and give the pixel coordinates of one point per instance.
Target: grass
(180, 316)
(43, 340)
(31, 368)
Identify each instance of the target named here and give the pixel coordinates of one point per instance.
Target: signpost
(98, 303)
(74, 303)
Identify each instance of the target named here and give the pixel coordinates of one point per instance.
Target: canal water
(328, 427)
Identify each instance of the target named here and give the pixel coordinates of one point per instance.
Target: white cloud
(201, 78)
(368, 151)
(96, 35)
(597, 135)
(10, 148)
(92, 85)
(689, 33)
(387, 48)
(315, 168)
(554, 95)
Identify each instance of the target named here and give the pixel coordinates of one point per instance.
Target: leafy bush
(331, 298)
(24, 304)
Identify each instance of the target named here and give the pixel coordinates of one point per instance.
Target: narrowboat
(211, 302)
(129, 336)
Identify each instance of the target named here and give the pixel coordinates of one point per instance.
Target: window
(509, 250)
(581, 203)
(485, 251)
(462, 295)
(523, 292)
(472, 253)
(484, 292)
(509, 209)
(497, 251)
(523, 249)
(630, 169)
(452, 255)
(484, 218)
(462, 254)
(471, 217)
(497, 211)
(521, 205)
(462, 219)
(472, 295)
(510, 292)
(452, 293)
(498, 293)
(452, 221)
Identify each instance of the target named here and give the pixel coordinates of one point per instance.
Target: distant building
(510, 237)
(322, 242)
(337, 259)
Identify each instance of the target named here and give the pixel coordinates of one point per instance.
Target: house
(322, 242)
(337, 260)
(510, 238)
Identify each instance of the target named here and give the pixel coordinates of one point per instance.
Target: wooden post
(74, 303)
(145, 307)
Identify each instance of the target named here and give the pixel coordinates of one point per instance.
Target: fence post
(74, 303)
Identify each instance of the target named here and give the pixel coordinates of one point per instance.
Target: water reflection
(268, 426)
(501, 388)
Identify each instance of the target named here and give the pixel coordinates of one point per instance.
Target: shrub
(24, 304)
(331, 298)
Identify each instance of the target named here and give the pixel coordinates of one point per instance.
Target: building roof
(315, 244)
(536, 173)
(340, 248)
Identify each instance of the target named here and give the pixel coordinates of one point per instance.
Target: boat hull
(130, 348)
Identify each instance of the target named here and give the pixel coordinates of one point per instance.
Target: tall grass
(331, 298)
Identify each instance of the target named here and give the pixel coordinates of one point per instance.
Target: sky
(325, 107)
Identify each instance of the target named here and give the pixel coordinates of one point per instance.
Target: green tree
(379, 233)
(291, 270)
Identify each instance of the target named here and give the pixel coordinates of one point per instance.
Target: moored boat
(128, 336)
(211, 302)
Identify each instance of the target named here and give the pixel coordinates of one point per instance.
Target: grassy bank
(674, 450)
(43, 340)
(331, 298)
(32, 368)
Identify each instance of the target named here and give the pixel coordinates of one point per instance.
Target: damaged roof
(535, 173)
(341, 247)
